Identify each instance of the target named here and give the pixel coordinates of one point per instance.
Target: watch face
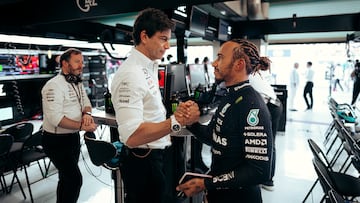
(176, 127)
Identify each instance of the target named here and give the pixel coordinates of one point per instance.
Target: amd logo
(85, 5)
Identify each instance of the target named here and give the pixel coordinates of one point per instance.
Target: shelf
(25, 77)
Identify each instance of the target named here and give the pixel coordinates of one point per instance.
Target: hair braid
(249, 52)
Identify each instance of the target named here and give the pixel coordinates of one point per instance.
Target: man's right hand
(89, 128)
(187, 113)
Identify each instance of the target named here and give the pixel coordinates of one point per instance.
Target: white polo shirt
(59, 99)
(136, 97)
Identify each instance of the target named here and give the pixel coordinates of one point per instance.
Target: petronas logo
(252, 118)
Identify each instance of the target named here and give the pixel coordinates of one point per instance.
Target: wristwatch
(87, 113)
(175, 125)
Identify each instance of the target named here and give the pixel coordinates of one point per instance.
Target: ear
(240, 64)
(143, 36)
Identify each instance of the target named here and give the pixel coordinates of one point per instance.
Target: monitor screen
(223, 31)
(7, 64)
(198, 21)
(6, 113)
(178, 78)
(197, 75)
(161, 76)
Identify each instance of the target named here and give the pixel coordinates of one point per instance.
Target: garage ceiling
(316, 21)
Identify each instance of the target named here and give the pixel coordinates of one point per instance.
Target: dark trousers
(275, 112)
(245, 195)
(143, 175)
(308, 91)
(337, 82)
(356, 91)
(64, 151)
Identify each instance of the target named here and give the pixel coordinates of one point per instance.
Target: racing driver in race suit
(239, 133)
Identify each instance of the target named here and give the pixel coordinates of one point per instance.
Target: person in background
(206, 62)
(294, 85)
(308, 89)
(197, 60)
(67, 110)
(198, 147)
(239, 133)
(356, 77)
(140, 113)
(338, 76)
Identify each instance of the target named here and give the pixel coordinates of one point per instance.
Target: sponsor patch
(252, 118)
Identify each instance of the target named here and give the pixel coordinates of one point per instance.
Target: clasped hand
(88, 123)
(187, 113)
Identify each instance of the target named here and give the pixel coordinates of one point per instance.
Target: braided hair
(249, 52)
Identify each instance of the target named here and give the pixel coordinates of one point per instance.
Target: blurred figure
(356, 77)
(205, 60)
(197, 60)
(294, 85)
(309, 76)
(338, 75)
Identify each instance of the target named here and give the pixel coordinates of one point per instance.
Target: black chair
(335, 197)
(353, 149)
(20, 132)
(6, 163)
(315, 149)
(339, 126)
(103, 153)
(334, 108)
(32, 151)
(5, 145)
(346, 185)
(331, 129)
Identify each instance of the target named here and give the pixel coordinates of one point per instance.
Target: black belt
(59, 134)
(144, 152)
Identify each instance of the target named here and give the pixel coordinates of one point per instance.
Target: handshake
(187, 113)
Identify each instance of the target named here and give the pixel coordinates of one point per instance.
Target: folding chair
(32, 151)
(346, 185)
(6, 163)
(103, 153)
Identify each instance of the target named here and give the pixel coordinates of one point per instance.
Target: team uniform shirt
(136, 97)
(61, 98)
(241, 140)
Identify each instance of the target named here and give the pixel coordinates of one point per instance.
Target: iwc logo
(252, 118)
(85, 5)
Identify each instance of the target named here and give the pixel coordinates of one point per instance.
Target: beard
(226, 69)
(74, 71)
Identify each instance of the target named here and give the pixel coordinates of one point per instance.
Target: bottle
(174, 102)
(108, 104)
(198, 91)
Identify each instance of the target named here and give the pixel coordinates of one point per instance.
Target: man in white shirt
(309, 76)
(294, 84)
(67, 110)
(140, 113)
